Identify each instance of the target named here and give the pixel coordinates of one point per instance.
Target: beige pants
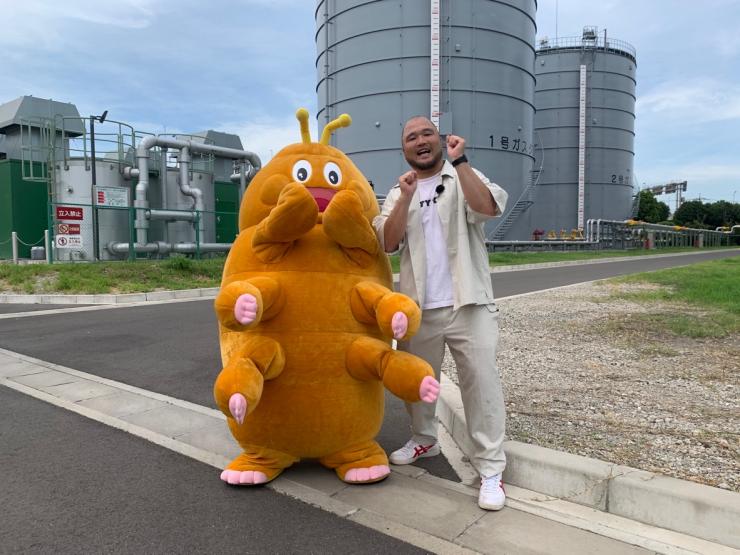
(471, 333)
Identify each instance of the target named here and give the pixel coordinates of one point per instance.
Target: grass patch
(111, 277)
(714, 284)
(716, 324)
(706, 297)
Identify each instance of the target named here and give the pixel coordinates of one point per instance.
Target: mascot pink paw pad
(245, 310)
(238, 407)
(429, 390)
(367, 475)
(243, 478)
(399, 325)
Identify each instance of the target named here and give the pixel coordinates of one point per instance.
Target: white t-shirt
(439, 279)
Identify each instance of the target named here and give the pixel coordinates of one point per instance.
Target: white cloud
(699, 171)
(50, 25)
(699, 101)
(708, 179)
(129, 14)
(267, 136)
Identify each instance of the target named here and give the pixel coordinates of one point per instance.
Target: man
(434, 216)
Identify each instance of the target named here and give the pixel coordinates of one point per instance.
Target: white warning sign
(68, 241)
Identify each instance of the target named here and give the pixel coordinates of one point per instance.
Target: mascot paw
(245, 309)
(245, 478)
(238, 407)
(429, 389)
(367, 475)
(399, 325)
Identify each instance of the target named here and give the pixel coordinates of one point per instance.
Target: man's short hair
(417, 117)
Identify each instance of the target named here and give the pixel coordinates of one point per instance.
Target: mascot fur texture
(306, 314)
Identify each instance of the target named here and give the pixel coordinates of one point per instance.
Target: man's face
(422, 146)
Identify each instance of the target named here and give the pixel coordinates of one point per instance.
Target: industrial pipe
(160, 247)
(163, 183)
(186, 147)
(171, 215)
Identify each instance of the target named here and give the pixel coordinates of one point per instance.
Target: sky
(245, 66)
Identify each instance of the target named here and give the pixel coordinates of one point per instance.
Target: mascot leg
(237, 391)
(257, 465)
(362, 463)
(238, 387)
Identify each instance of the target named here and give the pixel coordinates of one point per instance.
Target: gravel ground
(584, 372)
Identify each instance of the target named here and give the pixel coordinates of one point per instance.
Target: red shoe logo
(421, 449)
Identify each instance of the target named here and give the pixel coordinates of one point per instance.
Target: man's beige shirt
(466, 248)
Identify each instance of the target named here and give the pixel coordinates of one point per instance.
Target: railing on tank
(615, 46)
(115, 142)
(37, 154)
(200, 161)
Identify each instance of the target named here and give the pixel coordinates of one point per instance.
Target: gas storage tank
(465, 64)
(585, 130)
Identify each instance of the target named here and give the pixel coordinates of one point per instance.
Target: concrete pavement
(432, 513)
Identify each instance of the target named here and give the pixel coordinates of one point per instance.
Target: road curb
(128, 298)
(702, 511)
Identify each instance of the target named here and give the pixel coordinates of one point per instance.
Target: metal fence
(88, 233)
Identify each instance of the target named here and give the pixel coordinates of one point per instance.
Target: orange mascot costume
(306, 314)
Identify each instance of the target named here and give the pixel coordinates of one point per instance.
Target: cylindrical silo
(585, 130)
(466, 64)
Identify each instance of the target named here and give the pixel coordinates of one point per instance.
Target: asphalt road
(68, 484)
(73, 485)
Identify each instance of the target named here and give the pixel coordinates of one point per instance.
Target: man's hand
(407, 183)
(455, 147)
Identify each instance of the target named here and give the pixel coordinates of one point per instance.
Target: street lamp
(93, 195)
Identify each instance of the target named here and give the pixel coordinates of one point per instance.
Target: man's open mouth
(423, 151)
(322, 196)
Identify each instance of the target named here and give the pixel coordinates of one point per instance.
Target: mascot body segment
(305, 315)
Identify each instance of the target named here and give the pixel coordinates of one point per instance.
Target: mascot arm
(238, 387)
(344, 222)
(294, 215)
(241, 305)
(403, 374)
(395, 314)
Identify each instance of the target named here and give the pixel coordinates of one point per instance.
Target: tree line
(692, 213)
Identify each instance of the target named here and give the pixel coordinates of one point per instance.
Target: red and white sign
(68, 229)
(69, 213)
(111, 196)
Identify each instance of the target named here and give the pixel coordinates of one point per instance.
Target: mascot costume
(306, 315)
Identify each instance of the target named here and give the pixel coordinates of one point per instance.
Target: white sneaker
(492, 496)
(413, 451)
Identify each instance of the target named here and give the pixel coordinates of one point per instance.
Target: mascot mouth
(322, 196)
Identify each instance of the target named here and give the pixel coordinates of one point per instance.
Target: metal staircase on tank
(523, 203)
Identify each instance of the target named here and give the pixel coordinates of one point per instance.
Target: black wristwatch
(458, 161)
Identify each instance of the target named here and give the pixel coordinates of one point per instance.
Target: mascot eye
(333, 174)
(301, 171)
